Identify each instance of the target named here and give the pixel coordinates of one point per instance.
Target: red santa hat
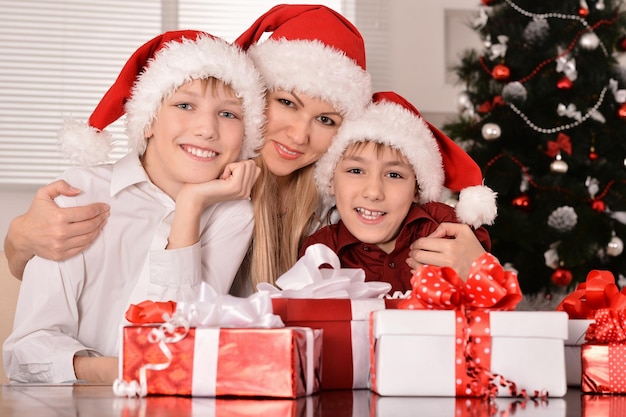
(154, 72)
(313, 50)
(437, 160)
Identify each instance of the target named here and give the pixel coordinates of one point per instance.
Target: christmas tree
(543, 112)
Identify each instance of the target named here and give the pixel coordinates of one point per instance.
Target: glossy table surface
(99, 401)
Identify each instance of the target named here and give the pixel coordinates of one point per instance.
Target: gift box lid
(541, 324)
(329, 309)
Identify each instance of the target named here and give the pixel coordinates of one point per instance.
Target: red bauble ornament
(487, 2)
(622, 112)
(501, 72)
(621, 43)
(582, 12)
(522, 202)
(598, 205)
(561, 277)
(564, 84)
(593, 155)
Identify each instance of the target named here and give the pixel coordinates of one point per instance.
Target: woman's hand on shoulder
(52, 232)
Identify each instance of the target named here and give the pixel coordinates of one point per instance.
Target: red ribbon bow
(608, 327)
(488, 287)
(599, 291)
(487, 106)
(562, 143)
(149, 311)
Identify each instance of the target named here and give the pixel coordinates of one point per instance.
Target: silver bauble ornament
(491, 131)
(464, 101)
(615, 246)
(589, 41)
(559, 166)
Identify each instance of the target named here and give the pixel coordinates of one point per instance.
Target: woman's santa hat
(313, 50)
(438, 162)
(154, 72)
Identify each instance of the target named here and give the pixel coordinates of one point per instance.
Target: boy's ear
(416, 196)
(331, 188)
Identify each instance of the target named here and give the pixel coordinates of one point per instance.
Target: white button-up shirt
(78, 305)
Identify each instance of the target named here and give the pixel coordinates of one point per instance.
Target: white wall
(425, 35)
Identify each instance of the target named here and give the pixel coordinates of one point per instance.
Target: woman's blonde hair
(283, 217)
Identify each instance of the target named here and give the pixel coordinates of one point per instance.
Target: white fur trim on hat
(314, 68)
(395, 126)
(179, 62)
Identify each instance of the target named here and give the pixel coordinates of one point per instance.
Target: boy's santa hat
(154, 72)
(438, 162)
(313, 50)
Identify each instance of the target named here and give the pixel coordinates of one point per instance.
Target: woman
(308, 99)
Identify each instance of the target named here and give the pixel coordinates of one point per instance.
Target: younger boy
(385, 173)
(179, 210)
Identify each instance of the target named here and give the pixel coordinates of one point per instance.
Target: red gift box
(345, 347)
(281, 362)
(603, 405)
(603, 368)
(308, 406)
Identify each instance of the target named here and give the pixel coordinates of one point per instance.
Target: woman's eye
(184, 106)
(286, 102)
(355, 171)
(326, 120)
(395, 175)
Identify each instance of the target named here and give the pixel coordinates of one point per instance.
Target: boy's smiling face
(197, 131)
(374, 186)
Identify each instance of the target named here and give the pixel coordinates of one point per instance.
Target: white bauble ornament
(491, 131)
(615, 246)
(589, 41)
(559, 166)
(464, 101)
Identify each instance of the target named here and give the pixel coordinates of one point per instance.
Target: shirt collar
(127, 171)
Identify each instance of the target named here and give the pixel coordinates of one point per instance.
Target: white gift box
(414, 351)
(576, 330)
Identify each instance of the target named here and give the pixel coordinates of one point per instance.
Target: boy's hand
(452, 244)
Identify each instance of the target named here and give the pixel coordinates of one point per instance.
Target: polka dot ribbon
(599, 291)
(488, 287)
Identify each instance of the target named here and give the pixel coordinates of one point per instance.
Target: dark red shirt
(421, 221)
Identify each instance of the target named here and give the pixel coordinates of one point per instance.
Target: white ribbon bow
(307, 280)
(499, 49)
(567, 65)
(569, 111)
(620, 95)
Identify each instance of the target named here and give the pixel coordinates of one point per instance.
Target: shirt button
(392, 264)
(366, 248)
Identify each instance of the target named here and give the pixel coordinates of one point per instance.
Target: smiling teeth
(201, 153)
(370, 215)
(286, 150)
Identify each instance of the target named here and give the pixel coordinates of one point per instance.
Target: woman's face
(298, 131)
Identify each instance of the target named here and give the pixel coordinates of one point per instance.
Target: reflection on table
(99, 401)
